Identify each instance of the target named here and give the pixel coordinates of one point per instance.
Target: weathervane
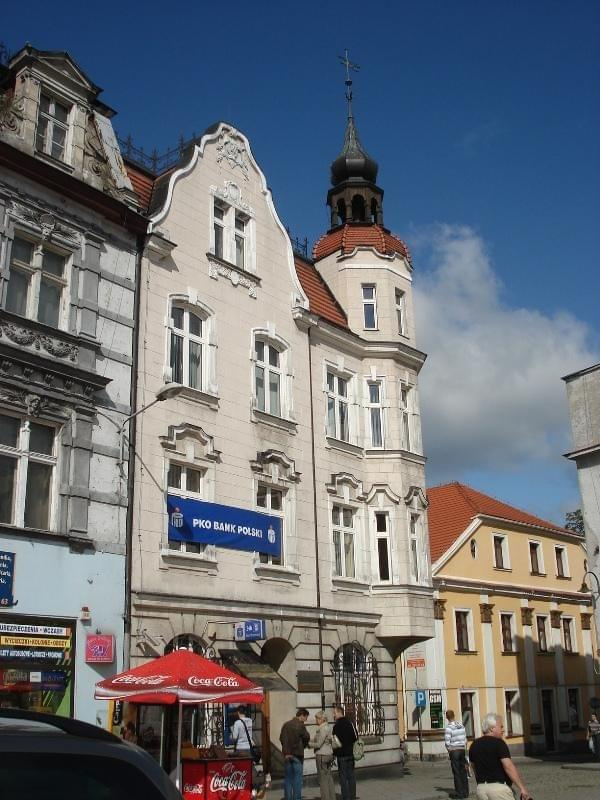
(349, 66)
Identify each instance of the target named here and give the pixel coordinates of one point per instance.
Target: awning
(250, 665)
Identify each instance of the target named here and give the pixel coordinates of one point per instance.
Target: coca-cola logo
(195, 680)
(148, 680)
(222, 782)
(192, 788)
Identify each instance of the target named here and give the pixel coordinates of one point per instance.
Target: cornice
(516, 590)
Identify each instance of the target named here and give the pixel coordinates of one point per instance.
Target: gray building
(583, 393)
(70, 232)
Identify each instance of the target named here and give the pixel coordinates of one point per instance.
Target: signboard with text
(250, 630)
(7, 574)
(99, 648)
(415, 656)
(223, 526)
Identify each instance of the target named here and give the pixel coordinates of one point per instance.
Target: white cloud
(491, 391)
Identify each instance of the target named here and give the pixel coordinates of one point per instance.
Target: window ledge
(346, 447)
(340, 583)
(509, 653)
(277, 572)
(76, 540)
(199, 396)
(544, 653)
(465, 652)
(539, 574)
(570, 652)
(218, 267)
(55, 162)
(503, 569)
(289, 425)
(563, 577)
(183, 560)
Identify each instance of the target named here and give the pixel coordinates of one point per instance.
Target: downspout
(141, 243)
(314, 481)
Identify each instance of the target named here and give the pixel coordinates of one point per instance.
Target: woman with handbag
(593, 735)
(321, 742)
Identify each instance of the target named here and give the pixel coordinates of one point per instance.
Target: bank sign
(223, 526)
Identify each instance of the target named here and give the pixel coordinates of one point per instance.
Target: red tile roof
(320, 298)
(142, 184)
(348, 237)
(453, 506)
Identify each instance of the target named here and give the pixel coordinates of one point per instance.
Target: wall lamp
(165, 392)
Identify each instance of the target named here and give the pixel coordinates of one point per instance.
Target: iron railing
(356, 679)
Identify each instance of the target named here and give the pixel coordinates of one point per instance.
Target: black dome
(353, 162)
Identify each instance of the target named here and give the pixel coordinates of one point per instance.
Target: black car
(44, 757)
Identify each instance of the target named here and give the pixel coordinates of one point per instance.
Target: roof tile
(348, 237)
(320, 297)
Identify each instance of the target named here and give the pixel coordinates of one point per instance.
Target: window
(369, 307)
(507, 625)
(337, 407)
(356, 687)
(512, 713)
(240, 240)
(375, 411)
(461, 619)
(27, 472)
(535, 558)
(342, 519)
(501, 552)
(467, 713)
(187, 346)
(414, 524)
(562, 569)
(231, 232)
(270, 500)
(568, 635)
(218, 229)
(401, 311)
(267, 378)
(574, 708)
(52, 127)
(541, 624)
(185, 481)
(37, 282)
(405, 425)
(382, 524)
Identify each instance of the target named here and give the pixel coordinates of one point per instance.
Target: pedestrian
(593, 734)
(346, 733)
(294, 738)
(321, 742)
(495, 771)
(455, 737)
(241, 732)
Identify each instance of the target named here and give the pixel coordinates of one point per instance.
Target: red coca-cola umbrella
(181, 676)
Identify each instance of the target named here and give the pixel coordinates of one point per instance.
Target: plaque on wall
(309, 680)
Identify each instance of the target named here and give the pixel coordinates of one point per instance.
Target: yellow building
(513, 630)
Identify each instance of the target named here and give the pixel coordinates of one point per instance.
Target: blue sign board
(223, 526)
(7, 573)
(250, 630)
(420, 698)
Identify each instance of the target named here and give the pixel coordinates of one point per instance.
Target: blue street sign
(250, 630)
(420, 698)
(7, 574)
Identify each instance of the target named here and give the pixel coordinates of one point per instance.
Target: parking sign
(420, 698)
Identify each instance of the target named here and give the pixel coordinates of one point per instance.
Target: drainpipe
(314, 481)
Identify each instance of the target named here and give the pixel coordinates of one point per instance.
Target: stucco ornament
(27, 338)
(234, 152)
(11, 113)
(35, 404)
(216, 270)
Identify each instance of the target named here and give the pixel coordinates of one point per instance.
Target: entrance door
(548, 717)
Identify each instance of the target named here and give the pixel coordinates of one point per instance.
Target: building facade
(69, 235)
(513, 630)
(583, 393)
(297, 410)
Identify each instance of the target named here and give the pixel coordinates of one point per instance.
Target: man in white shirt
(455, 738)
(241, 731)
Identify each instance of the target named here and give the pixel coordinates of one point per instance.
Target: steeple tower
(355, 197)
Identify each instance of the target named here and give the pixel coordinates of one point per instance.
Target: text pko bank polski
(226, 527)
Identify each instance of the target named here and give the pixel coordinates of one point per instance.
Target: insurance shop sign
(223, 526)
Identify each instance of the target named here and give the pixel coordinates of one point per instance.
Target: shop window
(356, 687)
(28, 456)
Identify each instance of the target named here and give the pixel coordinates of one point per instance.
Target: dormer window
(52, 127)
(232, 228)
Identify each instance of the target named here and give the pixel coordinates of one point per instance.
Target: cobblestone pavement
(546, 780)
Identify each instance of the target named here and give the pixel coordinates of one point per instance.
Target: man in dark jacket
(294, 738)
(346, 733)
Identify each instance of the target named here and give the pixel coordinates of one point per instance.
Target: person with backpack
(346, 735)
(455, 738)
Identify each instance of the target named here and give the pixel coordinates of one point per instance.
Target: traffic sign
(420, 698)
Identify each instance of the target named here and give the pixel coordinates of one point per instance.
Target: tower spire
(349, 66)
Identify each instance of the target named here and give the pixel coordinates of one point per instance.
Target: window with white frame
(382, 538)
(375, 412)
(52, 127)
(562, 566)
(28, 455)
(37, 282)
(187, 345)
(467, 712)
(405, 420)
(568, 631)
(185, 481)
(536, 558)
(338, 405)
(401, 311)
(271, 500)
(369, 307)
(501, 559)
(508, 632)
(512, 713)
(541, 623)
(231, 234)
(343, 532)
(463, 630)
(414, 536)
(267, 377)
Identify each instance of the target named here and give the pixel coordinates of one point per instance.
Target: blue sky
(485, 120)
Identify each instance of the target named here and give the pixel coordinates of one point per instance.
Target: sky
(484, 118)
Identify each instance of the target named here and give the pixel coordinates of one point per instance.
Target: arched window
(272, 379)
(356, 681)
(358, 208)
(341, 211)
